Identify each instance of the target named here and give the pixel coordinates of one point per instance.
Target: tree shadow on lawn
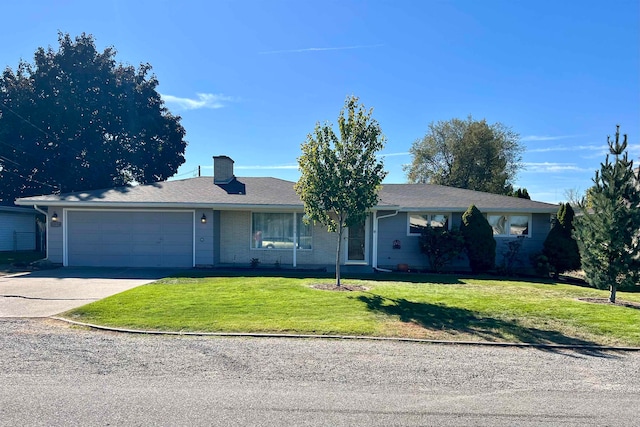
(426, 278)
(452, 319)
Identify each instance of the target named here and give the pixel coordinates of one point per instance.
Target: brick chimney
(222, 170)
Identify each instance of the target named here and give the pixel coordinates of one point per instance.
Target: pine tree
(608, 231)
(560, 247)
(478, 240)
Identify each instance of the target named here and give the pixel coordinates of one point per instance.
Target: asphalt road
(51, 374)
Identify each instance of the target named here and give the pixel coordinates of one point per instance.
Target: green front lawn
(431, 307)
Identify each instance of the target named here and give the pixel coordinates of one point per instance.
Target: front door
(357, 244)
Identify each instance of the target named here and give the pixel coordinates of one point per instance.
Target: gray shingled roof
(274, 193)
(450, 199)
(193, 192)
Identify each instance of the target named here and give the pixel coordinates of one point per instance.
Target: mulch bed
(342, 288)
(606, 301)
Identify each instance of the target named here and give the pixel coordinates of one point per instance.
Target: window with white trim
(417, 221)
(509, 225)
(275, 231)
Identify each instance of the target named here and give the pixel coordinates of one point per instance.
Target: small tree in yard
(441, 246)
(608, 232)
(478, 240)
(341, 175)
(560, 247)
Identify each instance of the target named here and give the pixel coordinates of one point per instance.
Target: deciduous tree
(341, 173)
(467, 154)
(77, 120)
(608, 231)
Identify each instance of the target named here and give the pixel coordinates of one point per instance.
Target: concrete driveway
(48, 292)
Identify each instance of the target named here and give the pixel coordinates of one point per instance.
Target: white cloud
(204, 100)
(553, 167)
(598, 148)
(548, 138)
(406, 153)
(319, 49)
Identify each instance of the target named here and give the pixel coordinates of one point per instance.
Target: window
(418, 221)
(275, 231)
(509, 225)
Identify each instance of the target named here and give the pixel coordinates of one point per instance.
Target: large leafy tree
(77, 120)
(341, 173)
(608, 231)
(467, 154)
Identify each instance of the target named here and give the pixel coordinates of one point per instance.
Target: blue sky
(250, 79)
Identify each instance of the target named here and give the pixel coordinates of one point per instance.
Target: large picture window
(275, 231)
(418, 221)
(509, 225)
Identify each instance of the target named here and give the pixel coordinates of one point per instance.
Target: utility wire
(30, 179)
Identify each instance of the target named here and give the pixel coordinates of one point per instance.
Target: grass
(430, 307)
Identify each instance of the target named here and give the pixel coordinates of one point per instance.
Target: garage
(129, 238)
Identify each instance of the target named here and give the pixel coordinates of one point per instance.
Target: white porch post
(374, 261)
(295, 239)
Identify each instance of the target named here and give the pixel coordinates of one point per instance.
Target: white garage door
(130, 239)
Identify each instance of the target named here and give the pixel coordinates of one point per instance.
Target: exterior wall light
(203, 219)
(54, 217)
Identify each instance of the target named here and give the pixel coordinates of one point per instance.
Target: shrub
(478, 240)
(441, 246)
(560, 247)
(540, 264)
(511, 256)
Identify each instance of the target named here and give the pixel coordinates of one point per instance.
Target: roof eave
(158, 205)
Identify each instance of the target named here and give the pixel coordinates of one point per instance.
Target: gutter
(150, 205)
(46, 215)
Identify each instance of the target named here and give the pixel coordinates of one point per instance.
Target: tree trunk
(340, 230)
(612, 294)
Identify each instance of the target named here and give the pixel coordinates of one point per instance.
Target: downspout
(376, 218)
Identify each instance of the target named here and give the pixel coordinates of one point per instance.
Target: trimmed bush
(478, 240)
(560, 247)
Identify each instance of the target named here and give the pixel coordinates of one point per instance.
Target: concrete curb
(348, 337)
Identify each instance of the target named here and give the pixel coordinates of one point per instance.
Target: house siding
(540, 226)
(55, 237)
(204, 238)
(216, 237)
(395, 228)
(17, 231)
(235, 244)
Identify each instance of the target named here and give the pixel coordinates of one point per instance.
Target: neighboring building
(17, 229)
(228, 221)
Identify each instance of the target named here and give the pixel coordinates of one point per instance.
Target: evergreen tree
(560, 247)
(608, 232)
(478, 240)
(521, 193)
